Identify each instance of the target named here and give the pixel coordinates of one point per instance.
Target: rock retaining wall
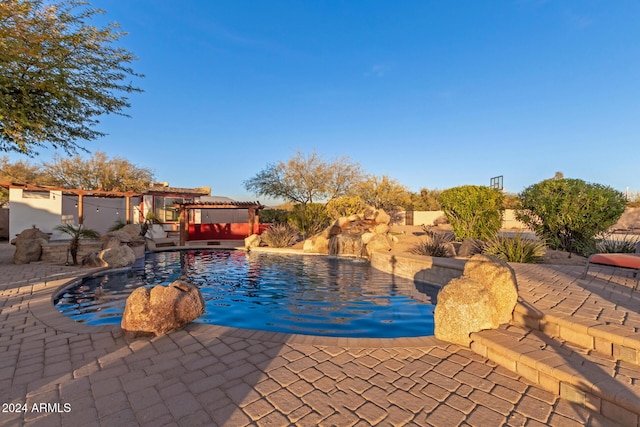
(56, 253)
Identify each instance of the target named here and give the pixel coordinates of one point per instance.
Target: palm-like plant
(149, 220)
(77, 233)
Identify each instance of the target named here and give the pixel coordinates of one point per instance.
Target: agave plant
(516, 249)
(610, 243)
(435, 245)
(77, 233)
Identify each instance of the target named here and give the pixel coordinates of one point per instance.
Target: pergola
(252, 207)
(81, 193)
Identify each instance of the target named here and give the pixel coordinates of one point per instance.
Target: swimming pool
(301, 294)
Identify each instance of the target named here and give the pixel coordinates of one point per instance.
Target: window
(164, 210)
(26, 194)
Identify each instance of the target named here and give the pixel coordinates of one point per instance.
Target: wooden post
(80, 209)
(184, 226)
(252, 215)
(256, 220)
(128, 209)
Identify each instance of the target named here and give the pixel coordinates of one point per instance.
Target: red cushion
(617, 260)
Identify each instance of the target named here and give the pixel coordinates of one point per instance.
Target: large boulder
(117, 256)
(161, 309)
(119, 236)
(380, 229)
(91, 260)
(252, 241)
(132, 230)
(483, 298)
(382, 217)
(500, 281)
(464, 306)
(317, 244)
(470, 247)
(29, 245)
(129, 235)
(378, 243)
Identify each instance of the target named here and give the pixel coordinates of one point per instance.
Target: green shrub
(515, 249)
(436, 244)
(274, 216)
(569, 213)
(309, 219)
(345, 206)
(473, 211)
(426, 200)
(280, 236)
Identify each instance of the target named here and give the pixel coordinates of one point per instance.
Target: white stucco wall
(100, 213)
(44, 212)
(52, 208)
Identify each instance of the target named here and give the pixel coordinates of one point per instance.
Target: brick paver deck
(54, 371)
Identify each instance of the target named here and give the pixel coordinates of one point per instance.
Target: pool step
(622, 343)
(580, 375)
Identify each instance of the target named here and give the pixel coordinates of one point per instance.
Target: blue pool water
(310, 295)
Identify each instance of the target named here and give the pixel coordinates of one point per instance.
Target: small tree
(569, 213)
(58, 73)
(426, 200)
(21, 171)
(99, 172)
(309, 219)
(345, 206)
(306, 179)
(473, 211)
(382, 192)
(77, 233)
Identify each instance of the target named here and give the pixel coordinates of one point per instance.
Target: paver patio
(209, 375)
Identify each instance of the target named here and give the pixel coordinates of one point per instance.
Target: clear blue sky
(434, 94)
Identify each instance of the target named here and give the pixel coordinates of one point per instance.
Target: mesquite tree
(58, 73)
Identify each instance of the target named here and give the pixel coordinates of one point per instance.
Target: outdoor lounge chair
(628, 261)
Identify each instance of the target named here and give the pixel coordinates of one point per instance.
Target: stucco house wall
(48, 209)
(42, 209)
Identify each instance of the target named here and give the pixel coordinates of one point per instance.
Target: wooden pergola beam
(80, 193)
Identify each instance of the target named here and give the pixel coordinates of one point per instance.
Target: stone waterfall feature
(347, 244)
(356, 236)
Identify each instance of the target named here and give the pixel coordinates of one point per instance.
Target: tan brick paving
(206, 375)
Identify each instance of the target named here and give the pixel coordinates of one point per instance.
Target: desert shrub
(515, 249)
(569, 213)
(435, 244)
(473, 211)
(274, 216)
(607, 243)
(280, 236)
(309, 219)
(345, 206)
(426, 200)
